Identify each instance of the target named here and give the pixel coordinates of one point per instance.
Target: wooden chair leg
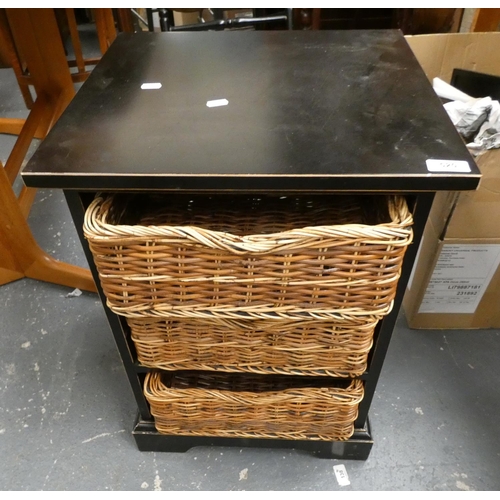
(75, 39)
(80, 62)
(105, 26)
(36, 36)
(125, 20)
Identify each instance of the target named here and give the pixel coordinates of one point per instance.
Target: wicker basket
(252, 406)
(186, 256)
(287, 347)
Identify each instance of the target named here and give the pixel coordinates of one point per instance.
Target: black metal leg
(218, 14)
(166, 19)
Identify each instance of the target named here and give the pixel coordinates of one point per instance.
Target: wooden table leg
(13, 126)
(36, 36)
(9, 268)
(20, 254)
(40, 117)
(8, 44)
(41, 112)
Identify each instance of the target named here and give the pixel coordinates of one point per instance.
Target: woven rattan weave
(178, 256)
(253, 406)
(288, 347)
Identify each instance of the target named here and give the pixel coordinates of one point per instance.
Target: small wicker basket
(286, 347)
(188, 256)
(251, 406)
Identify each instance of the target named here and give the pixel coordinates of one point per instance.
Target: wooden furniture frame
(35, 34)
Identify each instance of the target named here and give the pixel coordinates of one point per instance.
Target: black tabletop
(292, 110)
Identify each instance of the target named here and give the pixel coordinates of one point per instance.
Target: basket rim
(353, 394)
(396, 233)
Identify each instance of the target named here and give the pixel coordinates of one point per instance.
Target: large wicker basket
(287, 347)
(251, 406)
(188, 256)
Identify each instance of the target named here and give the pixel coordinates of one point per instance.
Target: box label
(447, 166)
(460, 278)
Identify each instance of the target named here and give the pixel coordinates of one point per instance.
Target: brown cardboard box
(455, 282)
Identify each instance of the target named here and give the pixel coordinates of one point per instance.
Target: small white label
(217, 102)
(460, 278)
(341, 475)
(151, 86)
(447, 166)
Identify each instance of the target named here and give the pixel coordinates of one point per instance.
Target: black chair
(263, 19)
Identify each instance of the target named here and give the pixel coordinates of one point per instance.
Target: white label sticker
(217, 102)
(150, 86)
(460, 278)
(447, 166)
(341, 475)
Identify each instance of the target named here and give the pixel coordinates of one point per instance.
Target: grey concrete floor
(66, 410)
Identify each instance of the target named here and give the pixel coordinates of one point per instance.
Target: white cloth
(476, 120)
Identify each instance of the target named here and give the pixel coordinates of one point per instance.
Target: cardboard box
(455, 282)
